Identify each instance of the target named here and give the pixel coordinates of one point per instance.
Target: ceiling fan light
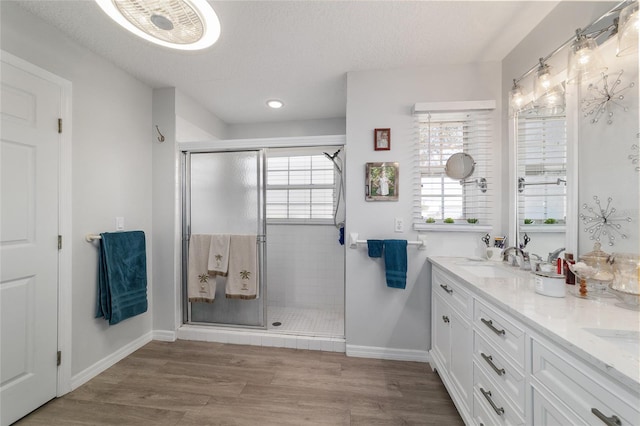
(177, 24)
(585, 61)
(628, 30)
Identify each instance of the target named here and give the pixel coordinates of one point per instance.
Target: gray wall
(111, 168)
(322, 127)
(378, 316)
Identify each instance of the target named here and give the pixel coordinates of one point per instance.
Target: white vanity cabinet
(451, 337)
(498, 367)
(574, 389)
(503, 368)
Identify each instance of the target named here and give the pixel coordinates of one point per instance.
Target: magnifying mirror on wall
(459, 166)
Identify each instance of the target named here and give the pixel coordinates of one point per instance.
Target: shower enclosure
(224, 195)
(301, 283)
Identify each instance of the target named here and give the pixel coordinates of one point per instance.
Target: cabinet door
(441, 338)
(461, 364)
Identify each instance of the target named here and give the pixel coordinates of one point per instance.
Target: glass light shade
(552, 101)
(542, 81)
(628, 30)
(585, 61)
(516, 98)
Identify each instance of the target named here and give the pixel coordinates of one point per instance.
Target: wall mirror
(586, 191)
(541, 173)
(460, 166)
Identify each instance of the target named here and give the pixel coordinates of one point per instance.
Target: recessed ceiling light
(275, 104)
(178, 24)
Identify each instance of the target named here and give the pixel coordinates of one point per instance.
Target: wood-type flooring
(202, 383)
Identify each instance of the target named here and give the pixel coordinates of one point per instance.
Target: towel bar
(354, 242)
(92, 237)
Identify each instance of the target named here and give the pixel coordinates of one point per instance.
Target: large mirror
(588, 190)
(541, 173)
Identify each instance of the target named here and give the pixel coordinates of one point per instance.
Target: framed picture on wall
(382, 139)
(381, 181)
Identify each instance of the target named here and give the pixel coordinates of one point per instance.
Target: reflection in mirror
(542, 176)
(460, 166)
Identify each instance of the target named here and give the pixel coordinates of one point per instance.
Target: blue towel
(375, 248)
(122, 276)
(395, 262)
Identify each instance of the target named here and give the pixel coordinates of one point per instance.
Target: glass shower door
(225, 195)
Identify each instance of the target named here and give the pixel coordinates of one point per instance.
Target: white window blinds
(438, 197)
(542, 173)
(300, 186)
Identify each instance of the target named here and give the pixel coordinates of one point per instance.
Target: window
(300, 185)
(438, 197)
(542, 171)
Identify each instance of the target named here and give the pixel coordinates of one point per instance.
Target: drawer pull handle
(446, 288)
(487, 395)
(489, 359)
(489, 324)
(609, 421)
(445, 319)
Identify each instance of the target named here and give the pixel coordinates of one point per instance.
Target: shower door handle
(262, 238)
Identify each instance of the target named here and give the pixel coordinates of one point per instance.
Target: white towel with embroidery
(242, 281)
(200, 286)
(219, 255)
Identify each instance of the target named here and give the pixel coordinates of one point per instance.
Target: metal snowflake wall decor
(634, 157)
(600, 98)
(601, 222)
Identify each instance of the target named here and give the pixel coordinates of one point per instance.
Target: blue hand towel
(395, 261)
(375, 248)
(122, 276)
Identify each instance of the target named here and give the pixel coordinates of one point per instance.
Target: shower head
(331, 157)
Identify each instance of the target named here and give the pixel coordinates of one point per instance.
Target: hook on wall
(161, 137)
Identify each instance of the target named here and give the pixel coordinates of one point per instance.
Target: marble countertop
(565, 320)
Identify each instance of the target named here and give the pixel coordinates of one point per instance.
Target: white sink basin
(625, 340)
(487, 270)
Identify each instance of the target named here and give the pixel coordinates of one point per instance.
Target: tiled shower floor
(314, 322)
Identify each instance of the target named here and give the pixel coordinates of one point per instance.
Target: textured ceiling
(300, 51)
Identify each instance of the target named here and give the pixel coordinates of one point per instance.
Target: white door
(29, 149)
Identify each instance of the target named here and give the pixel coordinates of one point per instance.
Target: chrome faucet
(514, 261)
(553, 256)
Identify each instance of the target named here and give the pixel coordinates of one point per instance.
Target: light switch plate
(119, 223)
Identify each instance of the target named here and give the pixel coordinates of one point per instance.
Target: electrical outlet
(119, 223)
(399, 224)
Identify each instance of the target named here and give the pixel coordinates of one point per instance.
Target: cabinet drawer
(547, 410)
(505, 334)
(500, 370)
(590, 394)
(489, 401)
(446, 286)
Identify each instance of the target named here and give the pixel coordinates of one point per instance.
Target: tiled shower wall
(305, 267)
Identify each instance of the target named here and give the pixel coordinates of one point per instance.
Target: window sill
(326, 222)
(540, 228)
(451, 227)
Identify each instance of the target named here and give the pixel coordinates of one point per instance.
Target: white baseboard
(165, 335)
(260, 338)
(388, 353)
(89, 373)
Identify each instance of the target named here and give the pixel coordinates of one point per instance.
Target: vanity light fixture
(275, 103)
(542, 81)
(585, 61)
(628, 30)
(516, 98)
(177, 24)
